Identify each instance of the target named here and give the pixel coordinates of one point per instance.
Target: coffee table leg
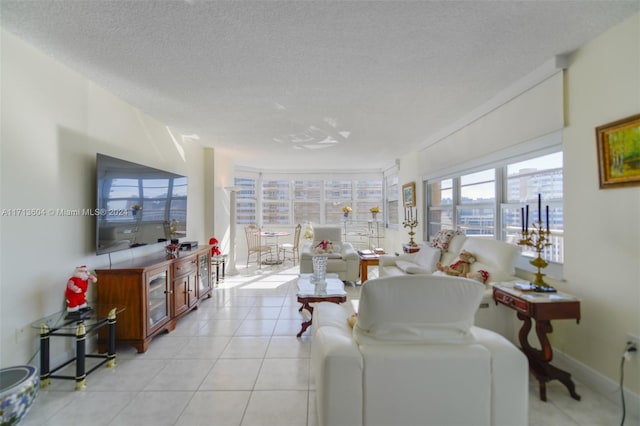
(305, 324)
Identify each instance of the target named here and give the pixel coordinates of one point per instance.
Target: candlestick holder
(538, 238)
(411, 223)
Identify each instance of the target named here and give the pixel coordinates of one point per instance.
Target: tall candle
(526, 221)
(522, 219)
(539, 209)
(547, 218)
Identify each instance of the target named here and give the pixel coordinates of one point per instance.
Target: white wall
(53, 122)
(602, 260)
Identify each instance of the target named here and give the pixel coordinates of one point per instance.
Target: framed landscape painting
(618, 145)
(409, 194)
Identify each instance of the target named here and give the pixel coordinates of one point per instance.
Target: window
(368, 194)
(391, 198)
(524, 181)
(440, 206)
(266, 202)
(470, 202)
(306, 201)
(246, 201)
(337, 194)
(476, 211)
(275, 202)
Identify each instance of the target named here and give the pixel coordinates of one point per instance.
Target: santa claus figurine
(76, 292)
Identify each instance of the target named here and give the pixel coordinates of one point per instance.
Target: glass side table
(58, 325)
(219, 262)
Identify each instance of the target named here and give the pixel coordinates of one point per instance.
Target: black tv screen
(138, 205)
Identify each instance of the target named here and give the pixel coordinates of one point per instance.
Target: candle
(539, 210)
(526, 221)
(547, 219)
(522, 219)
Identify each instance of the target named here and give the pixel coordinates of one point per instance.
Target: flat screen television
(137, 205)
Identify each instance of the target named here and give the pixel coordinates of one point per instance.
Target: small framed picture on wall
(619, 152)
(409, 194)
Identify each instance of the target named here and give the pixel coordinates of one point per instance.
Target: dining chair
(292, 247)
(255, 246)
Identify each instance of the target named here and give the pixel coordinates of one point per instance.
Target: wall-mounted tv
(138, 205)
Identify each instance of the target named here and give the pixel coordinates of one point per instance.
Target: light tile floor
(236, 361)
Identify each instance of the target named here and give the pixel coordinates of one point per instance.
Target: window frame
(501, 203)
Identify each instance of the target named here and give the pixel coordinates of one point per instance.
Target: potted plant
(345, 211)
(374, 212)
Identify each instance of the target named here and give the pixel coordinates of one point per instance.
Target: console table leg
(81, 339)
(539, 360)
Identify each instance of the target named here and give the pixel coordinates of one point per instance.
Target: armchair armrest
(348, 252)
(336, 363)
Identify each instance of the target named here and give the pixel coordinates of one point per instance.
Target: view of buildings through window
(471, 202)
(287, 202)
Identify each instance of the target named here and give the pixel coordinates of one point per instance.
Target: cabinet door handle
(168, 292)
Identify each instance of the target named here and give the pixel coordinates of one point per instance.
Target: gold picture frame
(409, 194)
(618, 145)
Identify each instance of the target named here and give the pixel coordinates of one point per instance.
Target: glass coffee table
(309, 293)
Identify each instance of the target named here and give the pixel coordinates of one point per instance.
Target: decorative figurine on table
(215, 247)
(76, 293)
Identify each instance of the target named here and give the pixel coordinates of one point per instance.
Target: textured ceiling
(309, 84)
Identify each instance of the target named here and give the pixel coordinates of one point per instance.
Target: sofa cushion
(427, 257)
(411, 267)
(417, 309)
(327, 232)
(496, 257)
(455, 245)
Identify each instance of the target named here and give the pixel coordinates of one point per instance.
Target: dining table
(271, 239)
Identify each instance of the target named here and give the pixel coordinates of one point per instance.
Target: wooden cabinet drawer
(185, 266)
(513, 302)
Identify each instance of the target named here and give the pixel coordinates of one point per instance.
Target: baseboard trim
(600, 383)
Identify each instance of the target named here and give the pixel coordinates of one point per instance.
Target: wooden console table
(542, 307)
(367, 258)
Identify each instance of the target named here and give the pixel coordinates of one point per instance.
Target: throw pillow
(427, 257)
(442, 239)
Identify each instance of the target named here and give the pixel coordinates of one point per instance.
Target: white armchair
(414, 357)
(344, 261)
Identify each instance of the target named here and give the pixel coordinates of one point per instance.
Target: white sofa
(496, 257)
(344, 261)
(415, 358)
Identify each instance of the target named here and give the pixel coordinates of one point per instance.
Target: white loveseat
(344, 261)
(496, 257)
(415, 358)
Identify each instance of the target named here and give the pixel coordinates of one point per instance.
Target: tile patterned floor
(236, 361)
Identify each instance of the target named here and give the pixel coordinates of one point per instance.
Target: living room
(55, 120)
